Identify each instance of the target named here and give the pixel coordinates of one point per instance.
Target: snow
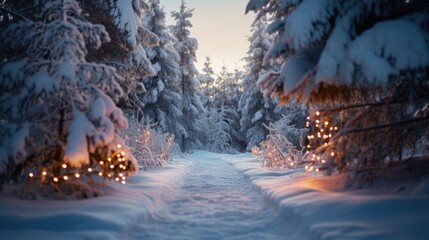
(205, 197)
(76, 152)
(111, 216)
(309, 23)
(385, 50)
(324, 211)
(127, 21)
(14, 146)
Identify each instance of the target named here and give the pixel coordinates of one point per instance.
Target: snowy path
(215, 203)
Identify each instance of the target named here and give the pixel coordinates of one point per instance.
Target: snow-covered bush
(150, 148)
(284, 145)
(60, 125)
(360, 61)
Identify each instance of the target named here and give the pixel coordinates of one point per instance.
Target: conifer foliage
(163, 96)
(256, 110)
(59, 123)
(186, 46)
(358, 64)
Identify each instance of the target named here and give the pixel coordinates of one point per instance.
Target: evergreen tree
(359, 64)
(60, 123)
(217, 131)
(123, 20)
(186, 47)
(207, 87)
(162, 97)
(256, 110)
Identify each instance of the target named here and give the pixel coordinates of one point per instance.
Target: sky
(221, 28)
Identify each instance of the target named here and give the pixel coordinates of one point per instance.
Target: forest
(100, 92)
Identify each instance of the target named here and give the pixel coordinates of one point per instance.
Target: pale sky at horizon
(221, 29)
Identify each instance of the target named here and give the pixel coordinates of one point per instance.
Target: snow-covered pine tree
(59, 120)
(363, 62)
(217, 131)
(256, 110)
(207, 88)
(163, 96)
(186, 47)
(126, 52)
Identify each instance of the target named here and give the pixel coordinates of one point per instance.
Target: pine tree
(123, 20)
(217, 130)
(162, 97)
(59, 121)
(207, 87)
(186, 47)
(256, 110)
(359, 65)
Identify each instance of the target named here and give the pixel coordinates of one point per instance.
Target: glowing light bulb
(123, 153)
(124, 182)
(89, 169)
(332, 154)
(318, 113)
(112, 166)
(109, 159)
(77, 175)
(31, 174)
(66, 178)
(323, 161)
(44, 173)
(101, 162)
(326, 123)
(109, 175)
(100, 174)
(55, 179)
(117, 179)
(118, 146)
(64, 165)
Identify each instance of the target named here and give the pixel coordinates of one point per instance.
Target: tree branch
(375, 127)
(14, 14)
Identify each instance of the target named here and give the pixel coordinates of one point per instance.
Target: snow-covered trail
(215, 202)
